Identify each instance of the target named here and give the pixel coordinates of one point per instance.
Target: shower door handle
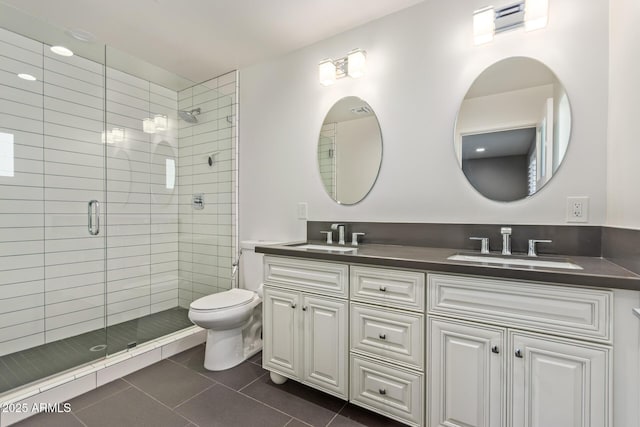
(91, 212)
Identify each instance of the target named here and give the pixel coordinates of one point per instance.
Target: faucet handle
(354, 238)
(532, 245)
(484, 245)
(329, 236)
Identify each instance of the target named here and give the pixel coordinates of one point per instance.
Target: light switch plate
(303, 210)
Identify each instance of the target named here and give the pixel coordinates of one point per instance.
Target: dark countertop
(596, 272)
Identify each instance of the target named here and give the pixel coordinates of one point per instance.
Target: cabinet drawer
(387, 333)
(314, 276)
(393, 288)
(394, 392)
(569, 311)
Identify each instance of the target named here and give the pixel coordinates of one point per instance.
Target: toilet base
(229, 348)
(224, 350)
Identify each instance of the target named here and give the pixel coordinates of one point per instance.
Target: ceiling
(511, 74)
(513, 142)
(201, 39)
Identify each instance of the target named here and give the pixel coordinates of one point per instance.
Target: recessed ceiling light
(61, 50)
(28, 77)
(82, 35)
(480, 150)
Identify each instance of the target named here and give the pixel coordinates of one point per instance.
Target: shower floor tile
(147, 398)
(23, 367)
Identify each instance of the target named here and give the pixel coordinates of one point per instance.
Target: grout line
(256, 379)
(194, 396)
(337, 413)
(77, 418)
(164, 404)
(101, 400)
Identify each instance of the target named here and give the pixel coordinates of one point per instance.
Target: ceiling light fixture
(532, 14)
(61, 50)
(480, 150)
(82, 35)
(352, 65)
(27, 77)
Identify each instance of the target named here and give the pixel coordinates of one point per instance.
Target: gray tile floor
(179, 392)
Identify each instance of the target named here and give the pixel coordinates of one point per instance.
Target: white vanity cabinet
(387, 342)
(508, 353)
(305, 335)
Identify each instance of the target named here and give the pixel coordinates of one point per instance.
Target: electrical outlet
(302, 210)
(577, 209)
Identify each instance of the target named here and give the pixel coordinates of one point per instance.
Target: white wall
(623, 203)
(358, 153)
(421, 62)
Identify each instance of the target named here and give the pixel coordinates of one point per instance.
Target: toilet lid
(226, 299)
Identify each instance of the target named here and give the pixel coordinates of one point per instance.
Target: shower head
(189, 116)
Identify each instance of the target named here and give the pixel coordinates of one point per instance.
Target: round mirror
(349, 150)
(513, 129)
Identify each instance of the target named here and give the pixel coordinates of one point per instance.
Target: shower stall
(118, 199)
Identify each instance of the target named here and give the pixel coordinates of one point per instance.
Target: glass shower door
(52, 245)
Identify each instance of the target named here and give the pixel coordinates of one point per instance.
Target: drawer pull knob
(519, 353)
(382, 391)
(383, 289)
(382, 336)
(293, 305)
(304, 308)
(495, 349)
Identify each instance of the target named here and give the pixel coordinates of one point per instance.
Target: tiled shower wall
(52, 271)
(208, 237)
(327, 157)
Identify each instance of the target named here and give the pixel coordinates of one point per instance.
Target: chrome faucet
(340, 228)
(506, 240)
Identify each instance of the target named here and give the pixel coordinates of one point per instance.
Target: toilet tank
(251, 264)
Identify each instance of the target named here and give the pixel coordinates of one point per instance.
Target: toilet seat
(224, 300)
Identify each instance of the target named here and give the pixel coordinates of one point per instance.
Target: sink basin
(533, 262)
(326, 248)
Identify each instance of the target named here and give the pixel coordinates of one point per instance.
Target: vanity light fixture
(352, 65)
(160, 122)
(148, 126)
(117, 134)
(61, 50)
(532, 14)
(480, 150)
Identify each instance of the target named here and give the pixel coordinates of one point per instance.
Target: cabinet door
(325, 344)
(558, 382)
(468, 375)
(281, 332)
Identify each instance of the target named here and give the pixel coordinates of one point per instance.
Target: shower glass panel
(142, 203)
(52, 265)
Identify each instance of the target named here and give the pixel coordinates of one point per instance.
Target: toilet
(233, 318)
